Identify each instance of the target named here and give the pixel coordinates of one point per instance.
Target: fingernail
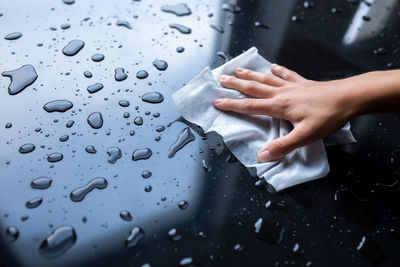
(217, 102)
(265, 156)
(223, 78)
(240, 70)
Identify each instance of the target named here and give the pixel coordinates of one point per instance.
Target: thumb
(280, 147)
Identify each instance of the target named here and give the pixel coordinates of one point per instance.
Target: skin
(316, 109)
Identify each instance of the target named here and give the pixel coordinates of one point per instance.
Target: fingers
(246, 105)
(285, 73)
(265, 78)
(279, 148)
(251, 88)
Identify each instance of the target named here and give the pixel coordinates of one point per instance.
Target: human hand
(315, 109)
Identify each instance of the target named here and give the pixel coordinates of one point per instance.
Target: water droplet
(114, 153)
(180, 49)
(371, 249)
(20, 78)
(217, 28)
(90, 150)
(153, 97)
(69, 2)
(54, 157)
(124, 23)
(143, 153)
(73, 47)
(13, 36)
(8, 125)
(41, 183)
(142, 74)
(260, 25)
(124, 103)
(224, 55)
(120, 74)
(335, 10)
(160, 64)
(297, 251)
(238, 248)
(380, 51)
(273, 205)
(181, 28)
(95, 88)
(184, 137)
(135, 235)
(205, 165)
(146, 174)
(131, 132)
(308, 4)
(297, 18)
(64, 138)
(88, 74)
(183, 204)
(148, 188)
(269, 231)
(173, 235)
(188, 261)
(79, 193)
(138, 120)
(26, 148)
(69, 124)
(180, 9)
(231, 8)
(97, 57)
(58, 242)
(65, 26)
(95, 120)
(126, 115)
(125, 215)
(33, 203)
(160, 128)
(60, 105)
(12, 233)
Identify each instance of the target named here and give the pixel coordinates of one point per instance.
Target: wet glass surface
(199, 206)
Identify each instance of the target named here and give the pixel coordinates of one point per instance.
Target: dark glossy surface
(349, 218)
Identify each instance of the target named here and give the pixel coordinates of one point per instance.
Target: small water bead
(33, 203)
(205, 165)
(95, 120)
(97, 57)
(69, 124)
(380, 51)
(8, 125)
(160, 128)
(126, 115)
(88, 74)
(273, 205)
(180, 49)
(260, 25)
(58, 242)
(138, 120)
(60, 105)
(26, 148)
(120, 74)
(148, 188)
(124, 103)
(156, 114)
(131, 132)
(183, 204)
(125, 215)
(269, 231)
(142, 74)
(20, 78)
(143, 153)
(135, 235)
(41, 183)
(297, 18)
(153, 97)
(160, 64)
(79, 193)
(69, 2)
(13, 36)
(231, 8)
(180, 9)
(181, 28)
(38, 129)
(73, 47)
(114, 153)
(188, 261)
(12, 233)
(337, 10)
(95, 88)
(371, 249)
(146, 174)
(91, 150)
(173, 235)
(65, 26)
(123, 23)
(217, 28)
(297, 251)
(54, 157)
(184, 137)
(64, 138)
(308, 4)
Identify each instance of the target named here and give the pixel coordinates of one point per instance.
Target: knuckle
(251, 86)
(247, 104)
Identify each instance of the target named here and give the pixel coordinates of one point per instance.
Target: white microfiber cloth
(245, 135)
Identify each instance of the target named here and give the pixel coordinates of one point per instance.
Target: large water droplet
(54, 157)
(180, 9)
(12, 233)
(114, 153)
(184, 137)
(95, 88)
(69, 2)
(73, 47)
(125, 215)
(60, 105)
(26, 148)
(64, 138)
(33, 203)
(143, 153)
(160, 64)
(153, 97)
(13, 36)
(91, 149)
(97, 57)
(180, 49)
(79, 193)
(41, 183)
(269, 231)
(138, 121)
(20, 78)
(65, 26)
(146, 174)
(134, 237)
(58, 242)
(124, 103)
(123, 23)
(148, 188)
(120, 74)
(95, 120)
(217, 28)
(181, 28)
(160, 128)
(183, 204)
(142, 74)
(88, 74)
(69, 124)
